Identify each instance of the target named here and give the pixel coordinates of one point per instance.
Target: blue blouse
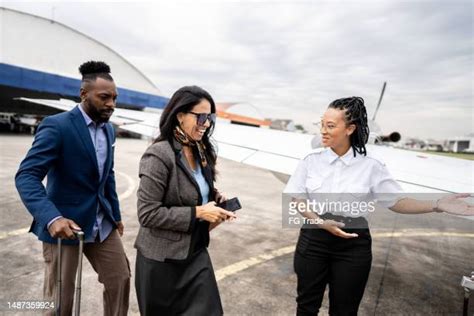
(201, 181)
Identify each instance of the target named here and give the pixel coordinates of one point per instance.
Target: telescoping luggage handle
(77, 291)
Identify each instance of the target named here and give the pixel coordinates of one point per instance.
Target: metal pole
(466, 302)
(468, 284)
(59, 281)
(77, 299)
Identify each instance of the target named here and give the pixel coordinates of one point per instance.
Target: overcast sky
(291, 58)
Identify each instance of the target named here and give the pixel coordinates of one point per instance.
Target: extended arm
(33, 169)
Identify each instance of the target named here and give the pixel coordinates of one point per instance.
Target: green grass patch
(466, 156)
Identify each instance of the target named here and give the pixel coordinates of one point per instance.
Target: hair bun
(94, 67)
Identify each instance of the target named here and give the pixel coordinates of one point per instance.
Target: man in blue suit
(75, 150)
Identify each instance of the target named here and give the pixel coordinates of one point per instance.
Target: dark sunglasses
(203, 117)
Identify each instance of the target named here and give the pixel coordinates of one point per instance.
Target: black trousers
(322, 258)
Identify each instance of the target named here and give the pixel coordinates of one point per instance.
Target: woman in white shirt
(331, 255)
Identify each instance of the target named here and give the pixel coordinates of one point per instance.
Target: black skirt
(186, 287)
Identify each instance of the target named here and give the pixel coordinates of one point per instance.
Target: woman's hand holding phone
(212, 213)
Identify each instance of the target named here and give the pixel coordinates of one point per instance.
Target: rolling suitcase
(77, 291)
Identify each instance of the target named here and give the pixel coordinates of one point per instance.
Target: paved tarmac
(418, 260)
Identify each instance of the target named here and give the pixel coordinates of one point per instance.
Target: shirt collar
(88, 120)
(346, 158)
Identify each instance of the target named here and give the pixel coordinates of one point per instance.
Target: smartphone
(230, 205)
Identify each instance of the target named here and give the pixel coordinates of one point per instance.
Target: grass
(465, 156)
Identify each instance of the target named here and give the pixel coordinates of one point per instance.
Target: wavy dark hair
(355, 113)
(183, 100)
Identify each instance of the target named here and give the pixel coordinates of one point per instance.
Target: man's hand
(63, 228)
(120, 228)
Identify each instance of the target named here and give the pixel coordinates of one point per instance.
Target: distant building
(461, 144)
(413, 143)
(434, 145)
(40, 59)
(241, 113)
(284, 125)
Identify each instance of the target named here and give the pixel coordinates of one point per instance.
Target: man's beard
(105, 118)
(100, 116)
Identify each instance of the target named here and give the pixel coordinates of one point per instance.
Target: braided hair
(355, 113)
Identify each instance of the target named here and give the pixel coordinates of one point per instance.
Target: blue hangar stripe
(29, 79)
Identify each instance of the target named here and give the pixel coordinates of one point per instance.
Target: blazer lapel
(206, 171)
(180, 161)
(83, 132)
(108, 162)
(178, 149)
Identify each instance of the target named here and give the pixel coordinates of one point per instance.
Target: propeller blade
(380, 101)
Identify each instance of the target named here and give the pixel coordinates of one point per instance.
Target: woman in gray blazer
(177, 209)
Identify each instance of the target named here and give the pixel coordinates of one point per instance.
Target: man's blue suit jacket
(63, 150)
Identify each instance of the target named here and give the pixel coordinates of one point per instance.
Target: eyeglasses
(203, 117)
(329, 126)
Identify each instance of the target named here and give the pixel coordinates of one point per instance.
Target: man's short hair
(92, 70)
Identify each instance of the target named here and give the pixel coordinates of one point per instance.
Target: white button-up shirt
(356, 178)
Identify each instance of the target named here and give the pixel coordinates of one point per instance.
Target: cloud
(290, 59)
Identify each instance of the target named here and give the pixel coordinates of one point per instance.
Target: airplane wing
(140, 122)
(280, 151)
